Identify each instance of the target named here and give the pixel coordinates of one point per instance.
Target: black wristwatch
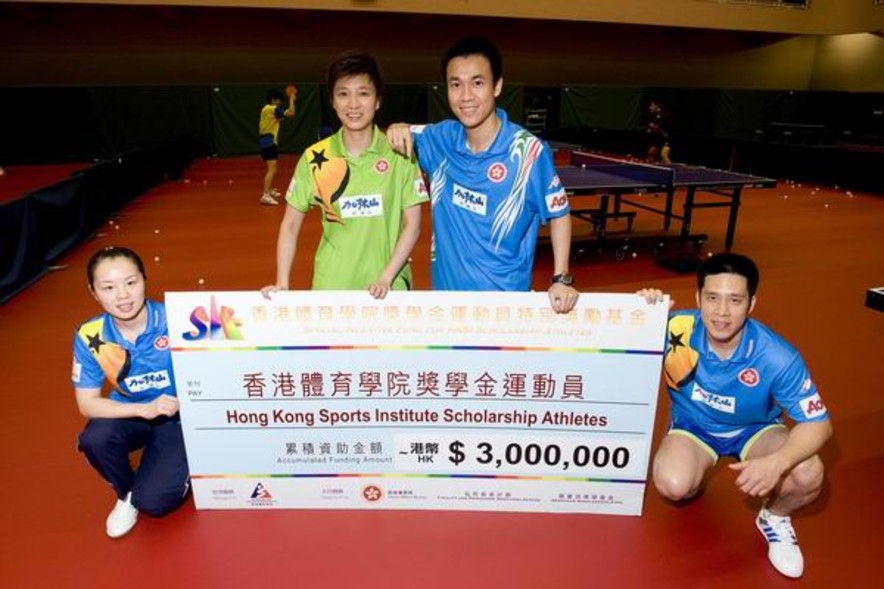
(563, 278)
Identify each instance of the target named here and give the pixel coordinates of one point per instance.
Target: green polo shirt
(361, 200)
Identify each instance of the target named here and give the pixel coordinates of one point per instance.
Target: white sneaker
(122, 518)
(274, 193)
(782, 544)
(268, 199)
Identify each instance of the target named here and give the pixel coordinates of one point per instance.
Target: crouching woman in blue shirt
(127, 346)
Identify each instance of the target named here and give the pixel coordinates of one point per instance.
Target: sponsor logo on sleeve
(497, 172)
(152, 380)
(813, 406)
(420, 187)
(805, 386)
(363, 205)
(717, 402)
(557, 201)
(76, 370)
(749, 377)
(475, 202)
(555, 183)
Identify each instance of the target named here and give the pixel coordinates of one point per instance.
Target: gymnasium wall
(850, 62)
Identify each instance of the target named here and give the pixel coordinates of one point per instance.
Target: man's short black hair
(475, 46)
(274, 94)
(729, 263)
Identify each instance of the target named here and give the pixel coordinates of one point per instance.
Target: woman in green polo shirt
(368, 195)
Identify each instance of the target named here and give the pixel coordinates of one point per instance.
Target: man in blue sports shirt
(492, 184)
(730, 379)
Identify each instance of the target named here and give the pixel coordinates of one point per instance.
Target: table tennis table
(606, 177)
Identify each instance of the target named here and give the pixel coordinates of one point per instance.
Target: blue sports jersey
(487, 207)
(763, 377)
(139, 372)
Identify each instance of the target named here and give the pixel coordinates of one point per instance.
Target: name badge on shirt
(150, 380)
(475, 202)
(361, 205)
(717, 402)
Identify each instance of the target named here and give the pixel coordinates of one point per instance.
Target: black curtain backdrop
(40, 227)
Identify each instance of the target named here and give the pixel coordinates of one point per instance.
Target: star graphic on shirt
(675, 341)
(319, 158)
(95, 342)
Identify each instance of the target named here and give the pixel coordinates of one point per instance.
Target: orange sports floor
(816, 262)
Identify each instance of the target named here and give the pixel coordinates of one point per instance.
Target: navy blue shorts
(736, 445)
(269, 153)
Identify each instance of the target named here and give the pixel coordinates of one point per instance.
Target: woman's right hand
(163, 405)
(270, 288)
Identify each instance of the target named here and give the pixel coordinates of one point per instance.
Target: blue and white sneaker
(782, 544)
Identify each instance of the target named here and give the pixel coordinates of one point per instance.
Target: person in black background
(656, 135)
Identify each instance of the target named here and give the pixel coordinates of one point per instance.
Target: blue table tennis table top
(589, 173)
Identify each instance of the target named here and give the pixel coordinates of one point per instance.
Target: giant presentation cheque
(424, 400)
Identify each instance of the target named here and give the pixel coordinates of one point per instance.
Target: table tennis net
(636, 171)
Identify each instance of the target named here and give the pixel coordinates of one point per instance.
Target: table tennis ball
(201, 281)
(156, 258)
(156, 231)
(827, 205)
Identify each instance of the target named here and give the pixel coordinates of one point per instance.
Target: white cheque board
(423, 400)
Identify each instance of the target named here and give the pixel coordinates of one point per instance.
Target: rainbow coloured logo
(218, 323)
